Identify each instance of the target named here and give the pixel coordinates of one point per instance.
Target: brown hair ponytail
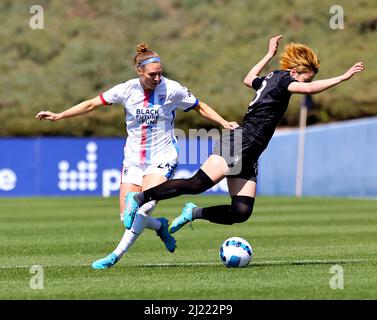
(143, 54)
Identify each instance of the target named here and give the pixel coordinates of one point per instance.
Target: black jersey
(268, 106)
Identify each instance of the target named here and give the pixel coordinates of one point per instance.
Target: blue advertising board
(78, 166)
(339, 161)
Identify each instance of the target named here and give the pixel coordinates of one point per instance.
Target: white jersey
(150, 118)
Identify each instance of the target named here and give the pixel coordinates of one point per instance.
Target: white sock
(140, 223)
(153, 223)
(131, 235)
(147, 208)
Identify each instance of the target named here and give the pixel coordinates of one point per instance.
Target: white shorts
(135, 173)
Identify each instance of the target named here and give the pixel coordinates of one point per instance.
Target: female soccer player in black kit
(236, 156)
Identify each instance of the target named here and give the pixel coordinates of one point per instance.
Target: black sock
(239, 211)
(218, 214)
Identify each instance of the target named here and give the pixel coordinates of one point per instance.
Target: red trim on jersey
(103, 100)
(143, 148)
(143, 140)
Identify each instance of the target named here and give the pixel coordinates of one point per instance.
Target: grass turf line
(295, 243)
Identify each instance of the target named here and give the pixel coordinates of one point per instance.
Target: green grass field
(295, 242)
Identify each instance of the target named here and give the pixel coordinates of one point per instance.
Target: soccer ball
(235, 252)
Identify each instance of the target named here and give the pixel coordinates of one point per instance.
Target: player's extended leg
(141, 221)
(113, 257)
(243, 194)
(143, 216)
(161, 224)
(212, 171)
(125, 243)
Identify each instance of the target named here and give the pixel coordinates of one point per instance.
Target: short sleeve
(285, 82)
(113, 95)
(257, 82)
(185, 100)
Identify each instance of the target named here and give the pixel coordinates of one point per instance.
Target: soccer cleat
(165, 236)
(106, 262)
(130, 210)
(184, 218)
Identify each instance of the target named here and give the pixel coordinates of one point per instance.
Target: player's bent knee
(239, 218)
(242, 208)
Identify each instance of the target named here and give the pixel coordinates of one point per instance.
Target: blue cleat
(165, 236)
(130, 210)
(106, 262)
(184, 218)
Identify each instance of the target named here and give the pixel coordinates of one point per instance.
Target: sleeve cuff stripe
(193, 106)
(103, 100)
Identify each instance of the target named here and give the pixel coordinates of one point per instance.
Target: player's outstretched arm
(321, 85)
(257, 69)
(77, 110)
(207, 112)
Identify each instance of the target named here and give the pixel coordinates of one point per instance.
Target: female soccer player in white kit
(150, 154)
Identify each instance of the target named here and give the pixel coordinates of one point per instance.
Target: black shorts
(241, 153)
